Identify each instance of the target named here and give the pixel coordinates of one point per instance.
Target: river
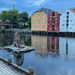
(53, 55)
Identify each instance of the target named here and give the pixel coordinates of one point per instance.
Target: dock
(24, 49)
(7, 68)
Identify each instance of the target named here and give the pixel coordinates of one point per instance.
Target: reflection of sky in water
(53, 55)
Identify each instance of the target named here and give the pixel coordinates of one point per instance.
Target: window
(38, 20)
(38, 14)
(35, 14)
(53, 22)
(55, 15)
(33, 23)
(38, 17)
(50, 22)
(55, 12)
(55, 28)
(34, 26)
(33, 17)
(38, 26)
(41, 13)
(33, 20)
(50, 16)
(43, 19)
(43, 23)
(50, 25)
(63, 25)
(71, 20)
(50, 28)
(50, 19)
(43, 16)
(63, 20)
(55, 25)
(55, 18)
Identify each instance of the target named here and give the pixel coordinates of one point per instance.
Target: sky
(31, 6)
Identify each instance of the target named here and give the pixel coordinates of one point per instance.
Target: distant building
(67, 21)
(53, 21)
(39, 19)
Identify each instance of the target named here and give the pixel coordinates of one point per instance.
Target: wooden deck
(12, 69)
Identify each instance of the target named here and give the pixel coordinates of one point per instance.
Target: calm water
(53, 55)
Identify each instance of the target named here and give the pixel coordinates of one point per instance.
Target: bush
(2, 27)
(21, 26)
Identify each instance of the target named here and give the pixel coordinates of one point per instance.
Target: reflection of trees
(19, 58)
(27, 39)
(6, 39)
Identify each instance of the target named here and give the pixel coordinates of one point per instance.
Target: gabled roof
(59, 11)
(47, 11)
(72, 10)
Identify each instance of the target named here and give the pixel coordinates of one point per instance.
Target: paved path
(8, 70)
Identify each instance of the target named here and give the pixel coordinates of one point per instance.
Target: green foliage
(12, 15)
(3, 16)
(29, 22)
(73, 8)
(2, 27)
(21, 26)
(23, 17)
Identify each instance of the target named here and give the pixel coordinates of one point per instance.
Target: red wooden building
(53, 21)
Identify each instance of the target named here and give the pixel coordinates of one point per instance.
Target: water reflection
(6, 39)
(45, 45)
(19, 58)
(53, 45)
(40, 44)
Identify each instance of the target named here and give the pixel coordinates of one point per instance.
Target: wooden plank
(9, 70)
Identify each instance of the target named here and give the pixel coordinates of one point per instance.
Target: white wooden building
(67, 21)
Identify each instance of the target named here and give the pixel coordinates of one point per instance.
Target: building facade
(39, 19)
(67, 21)
(53, 21)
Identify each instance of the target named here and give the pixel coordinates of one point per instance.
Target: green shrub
(2, 27)
(21, 26)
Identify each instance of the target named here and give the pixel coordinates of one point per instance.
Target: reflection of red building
(53, 22)
(53, 44)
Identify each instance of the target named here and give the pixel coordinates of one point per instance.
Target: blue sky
(32, 5)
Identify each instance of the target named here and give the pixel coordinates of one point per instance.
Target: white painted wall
(63, 21)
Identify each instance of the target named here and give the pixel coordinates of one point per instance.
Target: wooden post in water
(31, 71)
(9, 61)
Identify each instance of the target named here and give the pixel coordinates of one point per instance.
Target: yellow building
(39, 19)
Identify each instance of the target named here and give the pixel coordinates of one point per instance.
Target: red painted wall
(53, 44)
(53, 27)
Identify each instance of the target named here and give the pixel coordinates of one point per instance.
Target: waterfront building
(39, 19)
(53, 21)
(67, 21)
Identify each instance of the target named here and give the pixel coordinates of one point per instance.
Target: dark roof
(47, 11)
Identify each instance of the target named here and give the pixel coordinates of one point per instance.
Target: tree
(23, 17)
(73, 8)
(3, 16)
(29, 22)
(12, 16)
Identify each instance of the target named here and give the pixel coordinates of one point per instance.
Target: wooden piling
(9, 61)
(31, 71)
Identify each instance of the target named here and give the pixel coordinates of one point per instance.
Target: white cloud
(40, 2)
(32, 3)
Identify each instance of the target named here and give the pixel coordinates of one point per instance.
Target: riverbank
(18, 30)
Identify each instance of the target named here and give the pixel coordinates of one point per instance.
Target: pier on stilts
(7, 68)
